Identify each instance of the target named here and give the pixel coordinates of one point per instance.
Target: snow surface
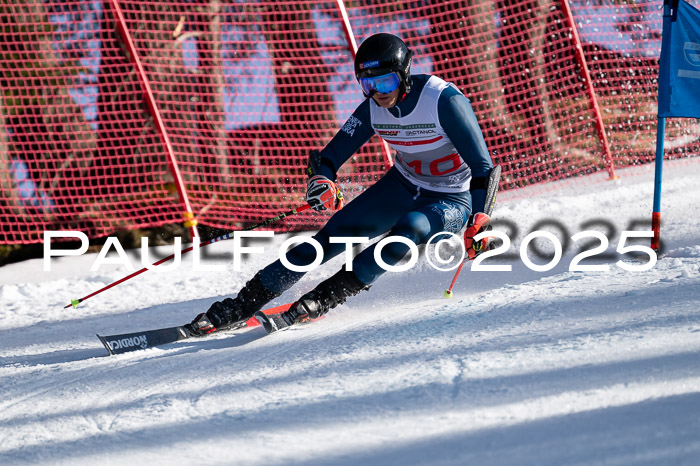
(520, 367)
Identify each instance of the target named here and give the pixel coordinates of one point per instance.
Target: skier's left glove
(478, 223)
(322, 194)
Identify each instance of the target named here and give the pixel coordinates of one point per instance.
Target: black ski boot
(327, 295)
(229, 312)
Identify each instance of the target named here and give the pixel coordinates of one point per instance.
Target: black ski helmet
(382, 54)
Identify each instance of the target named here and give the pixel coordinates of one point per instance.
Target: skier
(439, 177)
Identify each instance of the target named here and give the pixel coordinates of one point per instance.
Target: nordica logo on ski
(141, 341)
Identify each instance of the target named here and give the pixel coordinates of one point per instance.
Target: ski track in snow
(519, 367)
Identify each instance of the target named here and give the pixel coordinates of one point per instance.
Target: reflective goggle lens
(383, 84)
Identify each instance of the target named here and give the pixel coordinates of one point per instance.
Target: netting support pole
(188, 216)
(352, 45)
(590, 91)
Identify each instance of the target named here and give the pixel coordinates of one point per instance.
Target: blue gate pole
(658, 169)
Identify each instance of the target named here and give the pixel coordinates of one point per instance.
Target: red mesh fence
(244, 90)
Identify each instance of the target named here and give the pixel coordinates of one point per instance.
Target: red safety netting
(105, 102)
(77, 147)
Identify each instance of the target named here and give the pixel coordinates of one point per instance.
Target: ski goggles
(383, 84)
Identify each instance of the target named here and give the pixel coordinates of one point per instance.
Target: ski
(127, 342)
(492, 190)
(273, 321)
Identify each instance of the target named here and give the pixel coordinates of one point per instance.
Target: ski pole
(229, 235)
(448, 292)
(481, 222)
(492, 185)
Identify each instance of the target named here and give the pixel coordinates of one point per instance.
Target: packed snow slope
(520, 367)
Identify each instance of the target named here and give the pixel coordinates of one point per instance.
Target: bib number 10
(575, 265)
(454, 159)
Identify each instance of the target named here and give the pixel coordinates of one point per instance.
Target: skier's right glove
(478, 223)
(322, 194)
